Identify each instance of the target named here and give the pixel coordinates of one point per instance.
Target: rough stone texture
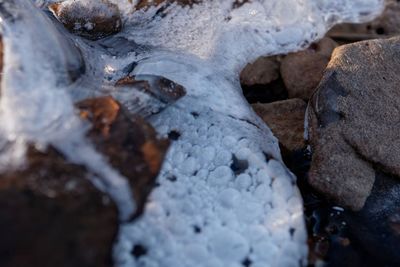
(353, 118)
(160, 93)
(387, 24)
(286, 120)
(51, 215)
(127, 141)
(366, 238)
(376, 227)
(50, 212)
(302, 71)
(90, 21)
(263, 71)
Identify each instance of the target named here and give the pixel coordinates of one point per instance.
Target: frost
(224, 196)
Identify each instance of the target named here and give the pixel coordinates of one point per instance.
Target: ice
(224, 195)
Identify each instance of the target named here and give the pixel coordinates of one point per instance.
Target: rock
(375, 228)
(127, 141)
(52, 215)
(286, 120)
(51, 205)
(353, 118)
(149, 94)
(91, 19)
(368, 237)
(144, 4)
(387, 24)
(263, 71)
(302, 71)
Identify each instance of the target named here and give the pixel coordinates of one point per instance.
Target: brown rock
(386, 25)
(159, 93)
(50, 212)
(302, 71)
(263, 71)
(144, 4)
(51, 215)
(93, 19)
(127, 141)
(286, 120)
(354, 118)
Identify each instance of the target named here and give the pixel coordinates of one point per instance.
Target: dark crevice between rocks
(339, 237)
(262, 93)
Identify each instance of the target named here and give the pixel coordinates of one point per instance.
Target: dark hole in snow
(291, 231)
(172, 178)
(268, 157)
(239, 166)
(247, 262)
(195, 114)
(265, 93)
(314, 46)
(197, 229)
(138, 251)
(174, 135)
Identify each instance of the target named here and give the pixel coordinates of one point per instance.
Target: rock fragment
(128, 141)
(286, 120)
(91, 19)
(302, 71)
(52, 205)
(52, 215)
(263, 71)
(387, 24)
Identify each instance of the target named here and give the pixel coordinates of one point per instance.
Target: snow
(206, 211)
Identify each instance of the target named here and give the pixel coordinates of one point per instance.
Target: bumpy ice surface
(224, 197)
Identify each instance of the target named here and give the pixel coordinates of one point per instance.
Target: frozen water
(224, 196)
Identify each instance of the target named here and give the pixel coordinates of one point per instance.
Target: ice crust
(224, 198)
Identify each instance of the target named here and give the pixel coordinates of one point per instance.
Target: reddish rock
(148, 94)
(91, 19)
(52, 215)
(302, 71)
(263, 71)
(50, 212)
(286, 120)
(130, 144)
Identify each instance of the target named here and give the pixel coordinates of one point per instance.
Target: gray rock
(353, 121)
